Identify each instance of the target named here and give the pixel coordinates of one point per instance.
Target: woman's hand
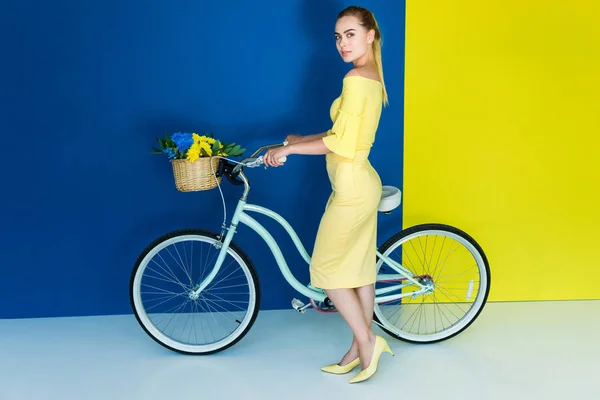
(272, 156)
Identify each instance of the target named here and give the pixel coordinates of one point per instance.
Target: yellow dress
(344, 251)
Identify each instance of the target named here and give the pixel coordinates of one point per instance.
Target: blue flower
(183, 141)
(170, 153)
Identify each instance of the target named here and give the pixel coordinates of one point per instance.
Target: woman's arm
(312, 147)
(316, 146)
(299, 138)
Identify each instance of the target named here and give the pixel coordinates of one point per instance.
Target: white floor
(546, 350)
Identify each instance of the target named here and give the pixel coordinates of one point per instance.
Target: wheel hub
(427, 280)
(192, 294)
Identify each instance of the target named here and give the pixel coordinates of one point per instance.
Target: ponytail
(377, 53)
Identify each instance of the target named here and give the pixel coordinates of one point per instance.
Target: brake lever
(255, 159)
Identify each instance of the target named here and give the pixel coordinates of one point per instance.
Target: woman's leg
(366, 295)
(347, 302)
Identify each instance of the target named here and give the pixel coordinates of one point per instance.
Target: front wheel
(162, 293)
(448, 260)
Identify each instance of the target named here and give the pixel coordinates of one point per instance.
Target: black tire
(209, 237)
(483, 267)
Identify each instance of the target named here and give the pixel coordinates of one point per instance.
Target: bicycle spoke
(446, 259)
(161, 290)
(198, 305)
(209, 327)
(441, 312)
(179, 264)
(214, 307)
(424, 251)
(175, 310)
(439, 256)
(164, 278)
(212, 284)
(175, 280)
(455, 275)
(216, 303)
(162, 302)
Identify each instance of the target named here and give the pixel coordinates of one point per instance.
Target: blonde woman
(343, 260)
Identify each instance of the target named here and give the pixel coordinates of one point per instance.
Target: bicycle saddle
(390, 199)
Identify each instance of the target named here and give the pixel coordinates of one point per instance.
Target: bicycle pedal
(298, 305)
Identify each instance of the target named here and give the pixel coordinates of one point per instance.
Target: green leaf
(235, 149)
(168, 141)
(215, 147)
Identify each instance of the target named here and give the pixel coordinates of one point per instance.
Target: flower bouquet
(195, 159)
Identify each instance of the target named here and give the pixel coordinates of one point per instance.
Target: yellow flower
(206, 147)
(197, 139)
(193, 152)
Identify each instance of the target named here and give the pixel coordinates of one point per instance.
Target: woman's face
(352, 40)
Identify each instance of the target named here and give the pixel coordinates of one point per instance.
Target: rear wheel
(453, 263)
(162, 285)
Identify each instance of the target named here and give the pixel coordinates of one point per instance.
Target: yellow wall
(502, 137)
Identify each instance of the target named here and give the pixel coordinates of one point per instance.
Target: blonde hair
(368, 21)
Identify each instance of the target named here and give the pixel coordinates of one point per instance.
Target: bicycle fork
(223, 246)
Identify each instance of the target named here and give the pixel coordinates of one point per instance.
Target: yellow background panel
(502, 137)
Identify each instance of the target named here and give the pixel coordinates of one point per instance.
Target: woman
(343, 260)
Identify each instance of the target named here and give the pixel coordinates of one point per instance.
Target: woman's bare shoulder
(364, 72)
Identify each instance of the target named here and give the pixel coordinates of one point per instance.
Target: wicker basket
(197, 175)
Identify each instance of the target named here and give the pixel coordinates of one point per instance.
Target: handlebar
(253, 161)
(231, 173)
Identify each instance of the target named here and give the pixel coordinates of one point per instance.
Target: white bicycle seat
(390, 198)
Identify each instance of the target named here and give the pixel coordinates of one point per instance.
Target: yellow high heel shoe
(341, 369)
(380, 346)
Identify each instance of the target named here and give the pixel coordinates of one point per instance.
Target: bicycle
(406, 291)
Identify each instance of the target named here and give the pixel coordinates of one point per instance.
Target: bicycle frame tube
(240, 215)
(403, 273)
(279, 258)
(399, 268)
(288, 228)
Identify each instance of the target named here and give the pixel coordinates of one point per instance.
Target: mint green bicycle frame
(309, 291)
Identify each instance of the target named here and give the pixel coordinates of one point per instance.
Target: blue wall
(88, 86)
